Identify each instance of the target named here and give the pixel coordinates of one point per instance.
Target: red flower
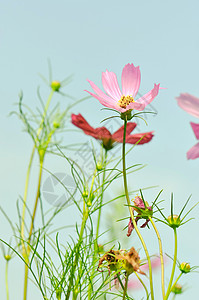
(108, 139)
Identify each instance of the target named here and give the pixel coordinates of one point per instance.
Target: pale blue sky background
(85, 38)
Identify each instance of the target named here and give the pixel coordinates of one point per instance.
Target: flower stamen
(125, 101)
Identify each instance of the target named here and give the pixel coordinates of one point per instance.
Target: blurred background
(84, 38)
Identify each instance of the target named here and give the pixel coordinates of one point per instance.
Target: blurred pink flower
(189, 103)
(135, 283)
(125, 99)
(193, 153)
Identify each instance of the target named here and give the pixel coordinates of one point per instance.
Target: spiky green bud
(174, 221)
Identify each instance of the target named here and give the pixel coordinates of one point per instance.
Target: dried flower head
(119, 260)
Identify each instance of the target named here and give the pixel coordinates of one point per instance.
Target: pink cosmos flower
(123, 100)
(194, 151)
(189, 103)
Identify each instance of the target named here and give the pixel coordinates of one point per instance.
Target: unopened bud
(7, 257)
(174, 221)
(85, 194)
(56, 124)
(185, 267)
(41, 153)
(55, 85)
(90, 200)
(99, 166)
(177, 289)
(100, 249)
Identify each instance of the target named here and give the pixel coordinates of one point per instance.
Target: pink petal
(136, 106)
(118, 135)
(189, 103)
(193, 153)
(139, 202)
(147, 98)
(130, 80)
(110, 84)
(195, 128)
(100, 93)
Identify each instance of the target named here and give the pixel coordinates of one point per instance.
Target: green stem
(6, 279)
(25, 281)
(120, 281)
(36, 200)
(97, 230)
(176, 281)
(174, 265)
(125, 287)
(25, 197)
(27, 250)
(29, 168)
(84, 219)
(144, 286)
(131, 213)
(101, 198)
(161, 255)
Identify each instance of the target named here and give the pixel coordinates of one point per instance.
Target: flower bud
(85, 194)
(7, 257)
(41, 153)
(174, 221)
(100, 249)
(177, 289)
(56, 124)
(126, 115)
(55, 85)
(90, 200)
(185, 267)
(99, 166)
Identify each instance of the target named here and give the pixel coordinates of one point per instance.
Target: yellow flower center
(125, 101)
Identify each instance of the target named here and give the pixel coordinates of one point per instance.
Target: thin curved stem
(29, 169)
(27, 250)
(144, 286)
(174, 265)
(6, 279)
(176, 281)
(36, 200)
(161, 255)
(25, 282)
(97, 229)
(131, 213)
(84, 219)
(25, 197)
(101, 198)
(125, 287)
